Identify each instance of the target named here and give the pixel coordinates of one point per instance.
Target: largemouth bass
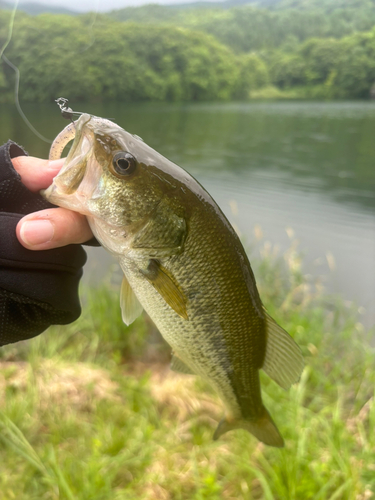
(183, 264)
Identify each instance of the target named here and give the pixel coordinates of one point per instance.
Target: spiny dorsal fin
(130, 305)
(179, 366)
(168, 289)
(283, 361)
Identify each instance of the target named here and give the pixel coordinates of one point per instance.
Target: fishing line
(17, 102)
(17, 71)
(11, 24)
(91, 28)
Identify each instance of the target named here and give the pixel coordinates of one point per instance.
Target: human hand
(51, 228)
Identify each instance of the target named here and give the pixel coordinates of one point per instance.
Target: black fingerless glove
(37, 288)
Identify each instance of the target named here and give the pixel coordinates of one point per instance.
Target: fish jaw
(79, 179)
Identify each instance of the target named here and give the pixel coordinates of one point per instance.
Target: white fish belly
(198, 341)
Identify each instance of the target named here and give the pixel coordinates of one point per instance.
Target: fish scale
(182, 262)
(223, 316)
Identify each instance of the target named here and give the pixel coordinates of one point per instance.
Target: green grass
(90, 410)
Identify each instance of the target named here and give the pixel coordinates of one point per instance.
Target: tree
(287, 70)
(61, 55)
(253, 75)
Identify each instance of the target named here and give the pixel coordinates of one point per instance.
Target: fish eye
(123, 164)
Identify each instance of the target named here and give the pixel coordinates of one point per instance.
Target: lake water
(306, 166)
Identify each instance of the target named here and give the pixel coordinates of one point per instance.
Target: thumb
(52, 228)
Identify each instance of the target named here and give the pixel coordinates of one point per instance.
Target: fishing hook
(66, 112)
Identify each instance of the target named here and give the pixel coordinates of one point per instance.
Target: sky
(100, 5)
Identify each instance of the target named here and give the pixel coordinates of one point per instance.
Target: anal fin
(130, 305)
(178, 366)
(283, 360)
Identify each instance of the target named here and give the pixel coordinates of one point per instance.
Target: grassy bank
(91, 411)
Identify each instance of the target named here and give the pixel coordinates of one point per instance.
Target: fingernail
(36, 232)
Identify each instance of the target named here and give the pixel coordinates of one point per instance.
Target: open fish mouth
(64, 191)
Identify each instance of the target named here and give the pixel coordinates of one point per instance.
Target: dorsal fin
(283, 361)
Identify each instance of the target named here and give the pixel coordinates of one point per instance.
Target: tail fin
(262, 428)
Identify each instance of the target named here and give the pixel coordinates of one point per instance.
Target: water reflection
(309, 166)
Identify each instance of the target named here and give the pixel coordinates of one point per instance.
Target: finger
(35, 173)
(52, 228)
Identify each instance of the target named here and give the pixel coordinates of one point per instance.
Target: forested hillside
(292, 48)
(254, 28)
(63, 55)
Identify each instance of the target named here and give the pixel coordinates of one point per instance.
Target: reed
(90, 410)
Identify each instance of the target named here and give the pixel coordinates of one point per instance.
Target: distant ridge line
(35, 8)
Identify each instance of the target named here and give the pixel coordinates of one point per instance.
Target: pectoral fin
(283, 361)
(130, 305)
(163, 282)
